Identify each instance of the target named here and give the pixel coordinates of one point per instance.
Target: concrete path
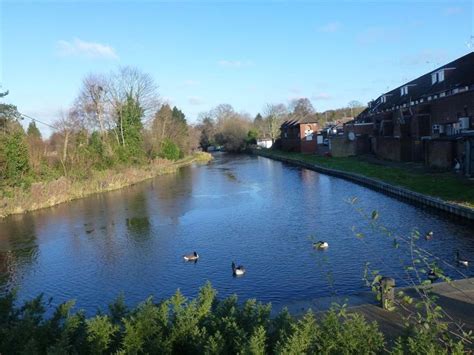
(456, 299)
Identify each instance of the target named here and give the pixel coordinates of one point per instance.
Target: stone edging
(414, 197)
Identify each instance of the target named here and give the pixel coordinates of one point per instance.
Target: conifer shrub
(181, 326)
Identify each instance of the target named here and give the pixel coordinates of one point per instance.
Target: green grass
(444, 185)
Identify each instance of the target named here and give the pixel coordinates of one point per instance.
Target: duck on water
(321, 245)
(191, 257)
(238, 270)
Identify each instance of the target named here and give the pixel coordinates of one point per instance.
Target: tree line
(223, 126)
(116, 119)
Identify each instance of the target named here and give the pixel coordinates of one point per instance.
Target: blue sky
(243, 53)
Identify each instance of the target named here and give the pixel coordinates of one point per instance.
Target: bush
(170, 150)
(201, 325)
(14, 161)
(180, 326)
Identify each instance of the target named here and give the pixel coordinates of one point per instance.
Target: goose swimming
(238, 270)
(321, 245)
(191, 257)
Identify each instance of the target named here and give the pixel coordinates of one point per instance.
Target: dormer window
(438, 76)
(383, 99)
(404, 90)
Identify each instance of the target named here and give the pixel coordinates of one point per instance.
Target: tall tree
(130, 117)
(33, 130)
(207, 128)
(275, 114)
(302, 109)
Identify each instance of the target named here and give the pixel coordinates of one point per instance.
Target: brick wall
(439, 154)
(342, 147)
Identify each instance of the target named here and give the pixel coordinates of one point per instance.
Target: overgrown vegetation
(444, 185)
(180, 326)
(116, 121)
(204, 325)
(115, 126)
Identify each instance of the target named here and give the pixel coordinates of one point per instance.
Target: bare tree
(355, 106)
(131, 83)
(92, 102)
(68, 122)
(274, 114)
(302, 109)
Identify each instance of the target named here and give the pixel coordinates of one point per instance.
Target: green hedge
(204, 325)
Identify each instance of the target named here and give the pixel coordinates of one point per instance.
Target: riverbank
(51, 193)
(440, 190)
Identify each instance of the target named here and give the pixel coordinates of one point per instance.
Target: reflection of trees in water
(138, 222)
(174, 192)
(18, 248)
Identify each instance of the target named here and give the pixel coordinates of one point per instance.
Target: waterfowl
(429, 235)
(321, 245)
(191, 257)
(238, 270)
(463, 262)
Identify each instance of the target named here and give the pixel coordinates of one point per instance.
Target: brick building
(300, 137)
(425, 118)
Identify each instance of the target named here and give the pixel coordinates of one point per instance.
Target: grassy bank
(444, 185)
(50, 193)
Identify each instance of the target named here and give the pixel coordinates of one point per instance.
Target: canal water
(251, 210)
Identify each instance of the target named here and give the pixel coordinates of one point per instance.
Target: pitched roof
(457, 74)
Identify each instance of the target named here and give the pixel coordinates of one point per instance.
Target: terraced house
(428, 119)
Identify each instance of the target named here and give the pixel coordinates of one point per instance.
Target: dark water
(253, 210)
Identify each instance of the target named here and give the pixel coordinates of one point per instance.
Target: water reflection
(138, 222)
(249, 209)
(18, 248)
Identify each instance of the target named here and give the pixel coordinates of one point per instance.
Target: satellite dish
(351, 136)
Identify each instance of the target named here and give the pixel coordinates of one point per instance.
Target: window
(441, 76)
(443, 94)
(404, 90)
(437, 77)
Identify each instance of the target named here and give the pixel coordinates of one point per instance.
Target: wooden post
(387, 293)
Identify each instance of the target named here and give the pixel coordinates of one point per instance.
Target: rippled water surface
(258, 212)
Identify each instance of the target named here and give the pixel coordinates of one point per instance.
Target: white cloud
(234, 63)
(331, 27)
(321, 96)
(78, 47)
(195, 100)
(455, 10)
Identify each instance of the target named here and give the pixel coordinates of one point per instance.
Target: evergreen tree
(33, 130)
(14, 161)
(130, 125)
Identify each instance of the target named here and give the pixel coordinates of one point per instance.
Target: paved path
(456, 299)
